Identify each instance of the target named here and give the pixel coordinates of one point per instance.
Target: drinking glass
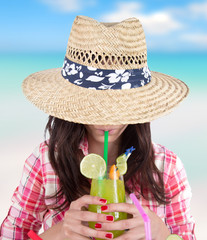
(111, 187)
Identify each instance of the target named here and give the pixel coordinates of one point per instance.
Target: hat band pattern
(102, 79)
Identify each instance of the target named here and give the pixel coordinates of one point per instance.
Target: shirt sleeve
(178, 217)
(28, 203)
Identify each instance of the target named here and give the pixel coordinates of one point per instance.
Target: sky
(44, 25)
(39, 26)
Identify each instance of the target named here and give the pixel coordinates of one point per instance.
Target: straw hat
(105, 79)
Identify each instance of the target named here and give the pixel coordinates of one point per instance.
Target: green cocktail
(113, 191)
(106, 184)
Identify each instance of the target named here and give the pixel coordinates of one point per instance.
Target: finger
(121, 207)
(121, 224)
(85, 200)
(86, 231)
(87, 216)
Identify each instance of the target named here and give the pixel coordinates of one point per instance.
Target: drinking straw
(144, 216)
(33, 235)
(106, 137)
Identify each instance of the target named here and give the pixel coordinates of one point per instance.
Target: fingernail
(109, 235)
(104, 208)
(102, 200)
(98, 225)
(109, 218)
(93, 238)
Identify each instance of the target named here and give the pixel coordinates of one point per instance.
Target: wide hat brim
(56, 96)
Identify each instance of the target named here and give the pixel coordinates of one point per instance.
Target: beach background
(34, 36)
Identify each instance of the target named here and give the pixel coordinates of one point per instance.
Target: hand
(135, 225)
(76, 220)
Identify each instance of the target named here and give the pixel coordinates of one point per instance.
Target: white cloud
(157, 23)
(63, 5)
(196, 38)
(123, 11)
(198, 9)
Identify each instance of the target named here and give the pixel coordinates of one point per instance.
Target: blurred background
(34, 36)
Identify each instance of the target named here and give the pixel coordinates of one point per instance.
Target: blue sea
(190, 67)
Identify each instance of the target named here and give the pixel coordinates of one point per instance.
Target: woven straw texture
(107, 46)
(53, 94)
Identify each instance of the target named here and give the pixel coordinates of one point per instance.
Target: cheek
(117, 134)
(122, 129)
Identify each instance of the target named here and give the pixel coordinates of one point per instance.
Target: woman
(105, 84)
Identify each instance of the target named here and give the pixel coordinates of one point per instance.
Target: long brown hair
(64, 155)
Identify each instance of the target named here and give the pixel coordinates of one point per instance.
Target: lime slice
(93, 166)
(121, 158)
(174, 237)
(121, 163)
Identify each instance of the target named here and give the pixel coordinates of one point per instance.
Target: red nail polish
(98, 225)
(104, 208)
(109, 235)
(102, 200)
(110, 218)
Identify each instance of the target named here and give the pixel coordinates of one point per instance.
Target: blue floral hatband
(102, 79)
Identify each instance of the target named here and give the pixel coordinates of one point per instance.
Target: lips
(111, 131)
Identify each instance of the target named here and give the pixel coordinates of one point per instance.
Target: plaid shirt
(29, 208)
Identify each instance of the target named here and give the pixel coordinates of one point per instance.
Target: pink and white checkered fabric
(29, 204)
